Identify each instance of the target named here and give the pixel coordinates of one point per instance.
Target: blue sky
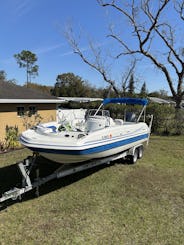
(37, 26)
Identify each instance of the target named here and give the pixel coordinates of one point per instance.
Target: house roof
(160, 101)
(9, 90)
(32, 101)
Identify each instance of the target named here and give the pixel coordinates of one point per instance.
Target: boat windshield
(93, 112)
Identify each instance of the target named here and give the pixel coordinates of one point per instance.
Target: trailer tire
(140, 153)
(133, 158)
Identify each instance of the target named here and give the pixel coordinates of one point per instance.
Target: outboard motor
(130, 117)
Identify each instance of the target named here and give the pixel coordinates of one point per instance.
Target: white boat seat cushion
(111, 122)
(118, 121)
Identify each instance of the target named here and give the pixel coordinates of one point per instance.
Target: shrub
(31, 120)
(2, 146)
(11, 139)
(179, 122)
(167, 120)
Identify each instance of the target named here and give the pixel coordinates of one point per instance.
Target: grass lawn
(120, 204)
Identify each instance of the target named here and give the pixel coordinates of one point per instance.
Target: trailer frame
(27, 165)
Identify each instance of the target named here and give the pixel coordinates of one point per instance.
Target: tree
(70, 85)
(131, 86)
(4, 79)
(143, 91)
(154, 34)
(27, 60)
(42, 88)
(126, 78)
(2, 75)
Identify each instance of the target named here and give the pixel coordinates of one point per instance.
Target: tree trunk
(179, 121)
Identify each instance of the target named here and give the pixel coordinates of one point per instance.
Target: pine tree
(131, 86)
(143, 91)
(27, 59)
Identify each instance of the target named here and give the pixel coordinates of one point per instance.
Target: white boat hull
(70, 158)
(97, 144)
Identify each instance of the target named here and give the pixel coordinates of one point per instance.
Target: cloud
(84, 49)
(22, 7)
(38, 51)
(47, 49)
(67, 53)
(72, 52)
(87, 48)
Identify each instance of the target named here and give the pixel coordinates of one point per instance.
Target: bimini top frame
(127, 101)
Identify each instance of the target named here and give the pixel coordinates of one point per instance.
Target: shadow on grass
(10, 177)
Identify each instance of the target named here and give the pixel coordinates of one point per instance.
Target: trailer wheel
(140, 153)
(133, 158)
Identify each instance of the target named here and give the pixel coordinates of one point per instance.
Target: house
(22, 107)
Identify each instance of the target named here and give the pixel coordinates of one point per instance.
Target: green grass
(120, 204)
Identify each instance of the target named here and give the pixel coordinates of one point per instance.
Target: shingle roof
(9, 90)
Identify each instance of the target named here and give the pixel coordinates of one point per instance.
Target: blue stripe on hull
(93, 149)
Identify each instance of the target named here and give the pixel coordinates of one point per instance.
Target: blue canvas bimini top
(128, 101)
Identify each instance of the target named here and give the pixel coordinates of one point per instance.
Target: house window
(20, 111)
(32, 110)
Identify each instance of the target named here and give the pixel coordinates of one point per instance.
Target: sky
(38, 26)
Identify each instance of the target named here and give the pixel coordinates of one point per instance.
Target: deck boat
(80, 135)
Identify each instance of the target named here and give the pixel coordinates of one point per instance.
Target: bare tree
(148, 27)
(99, 61)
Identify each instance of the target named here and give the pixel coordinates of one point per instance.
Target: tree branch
(179, 6)
(97, 65)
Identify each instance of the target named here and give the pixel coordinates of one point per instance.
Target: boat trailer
(27, 165)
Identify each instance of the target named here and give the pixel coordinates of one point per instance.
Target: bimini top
(128, 101)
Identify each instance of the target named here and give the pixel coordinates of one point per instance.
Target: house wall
(8, 116)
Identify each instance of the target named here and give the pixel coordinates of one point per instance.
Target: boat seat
(118, 121)
(111, 122)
